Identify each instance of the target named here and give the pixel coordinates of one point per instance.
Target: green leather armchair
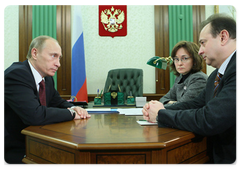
(127, 80)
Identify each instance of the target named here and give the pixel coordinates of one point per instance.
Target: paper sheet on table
(146, 123)
(131, 111)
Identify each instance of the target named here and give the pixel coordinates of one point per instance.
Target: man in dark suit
(213, 112)
(24, 105)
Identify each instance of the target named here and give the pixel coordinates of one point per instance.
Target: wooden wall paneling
(161, 47)
(25, 30)
(198, 17)
(64, 39)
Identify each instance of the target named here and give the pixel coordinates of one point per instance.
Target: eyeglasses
(183, 60)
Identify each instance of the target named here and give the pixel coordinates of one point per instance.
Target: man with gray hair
(30, 96)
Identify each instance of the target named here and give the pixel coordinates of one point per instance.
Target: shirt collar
(224, 65)
(37, 76)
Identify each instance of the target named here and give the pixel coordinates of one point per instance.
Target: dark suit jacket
(187, 90)
(22, 104)
(208, 116)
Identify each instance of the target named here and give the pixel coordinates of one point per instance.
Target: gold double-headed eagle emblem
(112, 19)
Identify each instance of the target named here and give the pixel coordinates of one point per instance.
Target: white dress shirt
(37, 76)
(224, 65)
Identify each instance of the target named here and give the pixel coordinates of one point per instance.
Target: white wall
(131, 51)
(104, 53)
(11, 49)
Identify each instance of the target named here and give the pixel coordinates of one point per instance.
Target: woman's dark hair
(192, 49)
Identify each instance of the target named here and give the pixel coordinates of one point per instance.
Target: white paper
(146, 123)
(131, 111)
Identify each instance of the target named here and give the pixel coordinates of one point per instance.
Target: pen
(97, 92)
(101, 93)
(109, 87)
(119, 88)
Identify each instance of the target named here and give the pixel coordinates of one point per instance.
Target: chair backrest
(130, 80)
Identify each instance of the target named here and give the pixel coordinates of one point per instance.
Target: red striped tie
(42, 93)
(216, 83)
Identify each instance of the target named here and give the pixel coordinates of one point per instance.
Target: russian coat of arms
(112, 20)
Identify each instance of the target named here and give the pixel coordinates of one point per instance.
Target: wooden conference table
(111, 139)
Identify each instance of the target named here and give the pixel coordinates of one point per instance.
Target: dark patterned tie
(216, 83)
(42, 93)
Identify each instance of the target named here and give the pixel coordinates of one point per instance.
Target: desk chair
(130, 81)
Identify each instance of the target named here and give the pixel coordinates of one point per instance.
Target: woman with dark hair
(187, 66)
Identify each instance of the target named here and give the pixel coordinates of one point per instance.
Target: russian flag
(78, 80)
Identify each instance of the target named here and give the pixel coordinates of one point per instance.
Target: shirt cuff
(73, 112)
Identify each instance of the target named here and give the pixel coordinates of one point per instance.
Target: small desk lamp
(159, 62)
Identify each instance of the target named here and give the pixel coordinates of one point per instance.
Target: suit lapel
(32, 78)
